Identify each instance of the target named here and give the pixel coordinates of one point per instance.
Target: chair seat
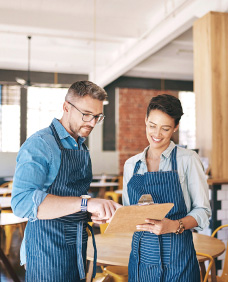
(118, 273)
(119, 270)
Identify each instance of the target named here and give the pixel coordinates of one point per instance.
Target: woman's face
(159, 129)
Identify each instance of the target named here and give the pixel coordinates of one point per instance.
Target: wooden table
(102, 186)
(114, 249)
(104, 177)
(5, 203)
(8, 219)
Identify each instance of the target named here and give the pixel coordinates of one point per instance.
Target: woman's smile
(156, 140)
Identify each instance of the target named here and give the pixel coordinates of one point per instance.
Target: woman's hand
(159, 227)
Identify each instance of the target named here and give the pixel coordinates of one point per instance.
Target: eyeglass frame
(93, 116)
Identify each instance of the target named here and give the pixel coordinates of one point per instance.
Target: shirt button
(75, 145)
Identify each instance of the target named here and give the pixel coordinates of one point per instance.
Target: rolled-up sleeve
(33, 161)
(198, 191)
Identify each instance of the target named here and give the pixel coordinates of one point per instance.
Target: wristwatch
(84, 202)
(180, 229)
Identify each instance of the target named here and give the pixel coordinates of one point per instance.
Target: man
(52, 177)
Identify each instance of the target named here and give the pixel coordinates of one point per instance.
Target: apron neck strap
(56, 136)
(174, 159)
(137, 166)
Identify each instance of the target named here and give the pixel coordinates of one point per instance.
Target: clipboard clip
(145, 199)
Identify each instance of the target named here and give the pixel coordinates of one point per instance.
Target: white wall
(102, 161)
(7, 164)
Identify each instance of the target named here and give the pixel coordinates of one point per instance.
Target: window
(187, 129)
(9, 118)
(43, 105)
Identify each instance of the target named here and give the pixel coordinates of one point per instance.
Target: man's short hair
(83, 88)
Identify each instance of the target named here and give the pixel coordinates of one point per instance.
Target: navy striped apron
(56, 248)
(166, 257)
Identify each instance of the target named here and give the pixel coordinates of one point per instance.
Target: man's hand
(102, 210)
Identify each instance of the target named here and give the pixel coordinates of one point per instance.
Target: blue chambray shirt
(38, 163)
(192, 179)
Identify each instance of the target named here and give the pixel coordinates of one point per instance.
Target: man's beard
(78, 132)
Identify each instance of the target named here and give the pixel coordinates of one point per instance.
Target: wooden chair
(116, 197)
(211, 264)
(120, 181)
(224, 276)
(116, 273)
(87, 229)
(9, 229)
(7, 184)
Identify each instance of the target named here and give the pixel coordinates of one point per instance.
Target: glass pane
(187, 129)
(10, 119)
(43, 105)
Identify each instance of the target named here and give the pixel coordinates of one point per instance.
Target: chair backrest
(87, 229)
(209, 266)
(120, 181)
(103, 227)
(224, 275)
(8, 184)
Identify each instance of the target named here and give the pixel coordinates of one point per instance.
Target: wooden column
(210, 35)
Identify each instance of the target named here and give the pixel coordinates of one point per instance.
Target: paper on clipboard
(126, 218)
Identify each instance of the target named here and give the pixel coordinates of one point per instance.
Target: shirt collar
(63, 133)
(168, 151)
(165, 154)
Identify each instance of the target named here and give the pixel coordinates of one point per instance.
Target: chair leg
(9, 230)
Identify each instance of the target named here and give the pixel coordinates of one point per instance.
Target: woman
(163, 250)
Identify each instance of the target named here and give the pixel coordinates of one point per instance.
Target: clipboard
(126, 218)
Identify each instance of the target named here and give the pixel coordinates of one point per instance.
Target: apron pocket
(154, 249)
(149, 249)
(165, 243)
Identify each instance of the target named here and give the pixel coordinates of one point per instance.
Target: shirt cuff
(37, 198)
(23, 252)
(202, 219)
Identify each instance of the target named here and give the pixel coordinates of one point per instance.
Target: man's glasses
(89, 117)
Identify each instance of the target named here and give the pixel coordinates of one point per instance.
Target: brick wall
(131, 131)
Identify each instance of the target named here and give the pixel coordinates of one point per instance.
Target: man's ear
(65, 107)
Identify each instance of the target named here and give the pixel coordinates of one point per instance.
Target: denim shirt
(38, 163)
(192, 179)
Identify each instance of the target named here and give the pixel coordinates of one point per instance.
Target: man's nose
(93, 122)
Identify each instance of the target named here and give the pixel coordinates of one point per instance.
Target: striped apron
(167, 257)
(56, 248)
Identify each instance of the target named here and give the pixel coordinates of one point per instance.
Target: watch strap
(84, 204)
(180, 229)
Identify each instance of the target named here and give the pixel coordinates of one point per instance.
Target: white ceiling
(102, 38)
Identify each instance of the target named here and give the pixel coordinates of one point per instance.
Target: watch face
(85, 196)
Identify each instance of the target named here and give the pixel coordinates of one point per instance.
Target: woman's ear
(146, 119)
